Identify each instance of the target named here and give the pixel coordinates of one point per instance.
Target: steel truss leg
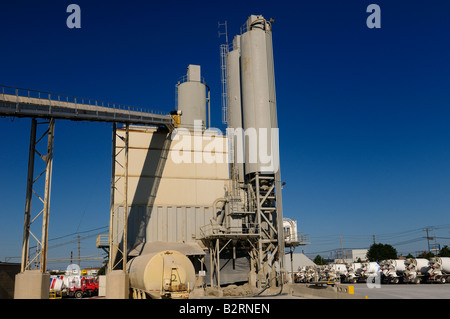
(42, 244)
(269, 217)
(114, 234)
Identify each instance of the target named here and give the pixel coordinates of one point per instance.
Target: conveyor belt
(29, 103)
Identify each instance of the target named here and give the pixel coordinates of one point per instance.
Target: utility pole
(428, 238)
(342, 249)
(79, 255)
(374, 239)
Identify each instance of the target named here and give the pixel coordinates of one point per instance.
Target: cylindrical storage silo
(191, 96)
(161, 275)
(258, 97)
(235, 128)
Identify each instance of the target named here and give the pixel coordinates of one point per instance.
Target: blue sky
(363, 113)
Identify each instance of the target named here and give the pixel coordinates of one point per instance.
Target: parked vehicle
(416, 270)
(439, 269)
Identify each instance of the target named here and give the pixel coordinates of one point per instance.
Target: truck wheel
(443, 280)
(78, 294)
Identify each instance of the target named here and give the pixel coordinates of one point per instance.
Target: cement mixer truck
(353, 272)
(416, 270)
(392, 270)
(439, 269)
(369, 270)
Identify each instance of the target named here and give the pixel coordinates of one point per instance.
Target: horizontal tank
(166, 274)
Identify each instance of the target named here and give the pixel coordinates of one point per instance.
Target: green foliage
(318, 260)
(427, 255)
(380, 251)
(445, 251)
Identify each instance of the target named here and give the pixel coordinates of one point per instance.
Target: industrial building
(191, 206)
(200, 191)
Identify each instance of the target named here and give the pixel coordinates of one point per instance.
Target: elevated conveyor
(19, 102)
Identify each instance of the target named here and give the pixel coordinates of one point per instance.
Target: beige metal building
(172, 186)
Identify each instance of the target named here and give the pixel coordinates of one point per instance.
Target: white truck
(416, 270)
(392, 270)
(353, 272)
(439, 269)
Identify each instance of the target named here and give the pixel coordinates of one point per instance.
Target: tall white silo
(259, 110)
(191, 95)
(234, 103)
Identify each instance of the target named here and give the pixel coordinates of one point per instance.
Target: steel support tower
(18, 102)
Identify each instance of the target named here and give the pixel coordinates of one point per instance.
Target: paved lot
(405, 291)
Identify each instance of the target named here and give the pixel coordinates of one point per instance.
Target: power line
(76, 233)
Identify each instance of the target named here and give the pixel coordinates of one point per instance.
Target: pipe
(218, 200)
(209, 105)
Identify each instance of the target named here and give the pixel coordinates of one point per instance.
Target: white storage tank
(191, 98)
(234, 103)
(166, 274)
(258, 95)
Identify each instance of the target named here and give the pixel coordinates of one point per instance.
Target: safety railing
(55, 97)
(102, 241)
(299, 238)
(209, 230)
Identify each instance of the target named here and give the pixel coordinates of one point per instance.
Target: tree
(318, 260)
(445, 251)
(380, 251)
(427, 255)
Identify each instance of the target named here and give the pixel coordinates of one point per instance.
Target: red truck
(87, 287)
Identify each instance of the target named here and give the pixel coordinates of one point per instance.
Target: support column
(117, 281)
(281, 239)
(33, 282)
(29, 195)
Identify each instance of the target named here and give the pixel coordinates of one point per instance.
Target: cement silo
(235, 128)
(252, 119)
(258, 96)
(191, 98)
